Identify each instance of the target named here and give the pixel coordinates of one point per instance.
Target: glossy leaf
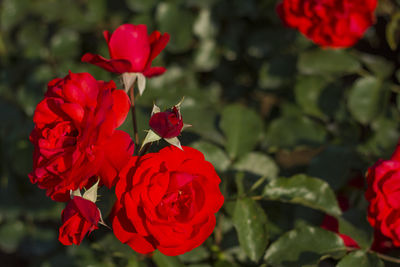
(250, 222)
(304, 190)
(259, 164)
(303, 240)
(364, 99)
(242, 128)
(360, 258)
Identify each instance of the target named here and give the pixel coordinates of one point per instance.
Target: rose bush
(131, 50)
(166, 201)
(79, 217)
(74, 136)
(383, 195)
(332, 23)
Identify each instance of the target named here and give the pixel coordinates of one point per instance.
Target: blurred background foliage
(265, 103)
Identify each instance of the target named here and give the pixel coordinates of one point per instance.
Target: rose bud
(167, 125)
(80, 216)
(329, 23)
(132, 51)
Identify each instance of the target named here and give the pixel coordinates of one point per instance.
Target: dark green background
(263, 101)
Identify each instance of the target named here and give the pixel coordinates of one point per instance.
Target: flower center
(61, 135)
(179, 203)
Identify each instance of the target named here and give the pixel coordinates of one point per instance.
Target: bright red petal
(154, 71)
(114, 65)
(121, 106)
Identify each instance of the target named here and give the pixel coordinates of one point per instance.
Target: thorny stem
(133, 111)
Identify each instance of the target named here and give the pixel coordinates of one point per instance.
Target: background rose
(74, 136)
(334, 23)
(167, 201)
(383, 195)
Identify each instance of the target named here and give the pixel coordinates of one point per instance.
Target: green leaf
(360, 258)
(292, 130)
(242, 128)
(178, 23)
(364, 100)
(327, 62)
(250, 222)
(382, 67)
(308, 90)
(302, 241)
(259, 164)
(213, 154)
(304, 190)
(166, 261)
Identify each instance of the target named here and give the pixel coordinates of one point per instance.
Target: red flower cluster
(165, 200)
(331, 23)
(383, 195)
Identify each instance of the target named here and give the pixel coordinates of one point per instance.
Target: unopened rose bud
(167, 124)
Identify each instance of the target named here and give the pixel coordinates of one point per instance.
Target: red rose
(333, 23)
(383, 195)
(75, 137)
(131, 50)
(167, 124)
(79, 217)
(166, 201)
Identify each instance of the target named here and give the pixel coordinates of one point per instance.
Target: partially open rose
(131, 50)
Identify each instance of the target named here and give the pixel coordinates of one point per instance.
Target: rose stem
(133, 111)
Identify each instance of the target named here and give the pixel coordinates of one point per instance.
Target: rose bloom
(331, 23)
(74, 136)
(383, 195)
(167, 124)
(131, 50)
(79, 217)
(166, 201)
